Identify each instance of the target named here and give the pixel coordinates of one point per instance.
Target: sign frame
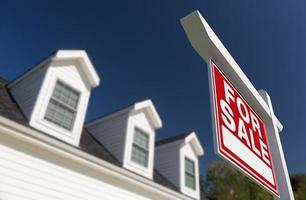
(206, 43)
(217, 136)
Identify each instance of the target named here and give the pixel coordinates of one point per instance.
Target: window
(140, 148)
(62, 106)
(189, 174)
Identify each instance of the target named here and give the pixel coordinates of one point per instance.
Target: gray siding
(112, 134)
(26, 91)
(167, 162)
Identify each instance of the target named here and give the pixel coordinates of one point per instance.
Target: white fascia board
(151, 112)
(190, 138)
(195, 143)
(78, 56)
(145, 106)
(208, 46)
(85, 64)
(26, 134)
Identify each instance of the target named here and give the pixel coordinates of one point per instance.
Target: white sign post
(276, 149)
(209, 47)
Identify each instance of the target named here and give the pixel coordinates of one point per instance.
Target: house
(48, 152)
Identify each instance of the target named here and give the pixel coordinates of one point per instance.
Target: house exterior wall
(32, 169)
(111, 133)
(167, 162)
(25, 176)
(26, 96)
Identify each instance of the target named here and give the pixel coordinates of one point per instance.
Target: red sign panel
(240, 133)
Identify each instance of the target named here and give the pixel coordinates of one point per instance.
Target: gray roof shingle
(173, 139)
(88, 143)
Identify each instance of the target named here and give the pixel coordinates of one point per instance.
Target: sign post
(277, 152)
(244, 125)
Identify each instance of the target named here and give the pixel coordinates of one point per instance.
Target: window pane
(140, 148)
(189, 166)
(60, 115)
(62, 105)
(139, 156)
(141, 139)
(189, 173)
(190, 181)
(65, 94)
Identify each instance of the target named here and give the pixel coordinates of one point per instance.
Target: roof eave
(150, 111)
(81, 57)
(196, 145)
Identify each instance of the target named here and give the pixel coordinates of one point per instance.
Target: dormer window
(130, 136)
(62, 107)
(179, 155)
(54, 94)
(140, 149)
(189, 173)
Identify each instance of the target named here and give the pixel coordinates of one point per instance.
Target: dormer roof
(145, 106)
(77, 57)
(183, 139)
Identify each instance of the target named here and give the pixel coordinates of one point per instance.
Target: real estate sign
(240, 133)
(242, 115)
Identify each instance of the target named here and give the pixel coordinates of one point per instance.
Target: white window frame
(37, 120)
(65, 105)
(189, 174)
(133, 122)
(134, 145)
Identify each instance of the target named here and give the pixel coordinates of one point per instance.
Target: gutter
(26, 134)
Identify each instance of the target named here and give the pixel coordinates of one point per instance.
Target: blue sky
(140, 51)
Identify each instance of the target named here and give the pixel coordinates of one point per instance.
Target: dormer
(177, 159)
(129, 134)
(54, 94)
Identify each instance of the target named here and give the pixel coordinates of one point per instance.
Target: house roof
(145, 106)
(173, 138)
(10, 110)
(77, 57)
(184, 138)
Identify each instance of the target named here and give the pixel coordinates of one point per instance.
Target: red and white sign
(240, 133)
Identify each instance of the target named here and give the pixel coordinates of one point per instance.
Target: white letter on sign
(228, 92)
(227, 114)
(264, 152)
(242, 132)
(255, 124)
(243, 113)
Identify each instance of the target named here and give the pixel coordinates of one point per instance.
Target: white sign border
(216, 133)
(207, 45)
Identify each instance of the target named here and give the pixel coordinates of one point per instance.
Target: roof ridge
(173, 138)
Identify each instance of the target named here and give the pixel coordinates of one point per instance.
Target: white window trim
(127, 161)
(148, 150)
(37, 119)
(195, 193)
(194, 165)
(75, 109)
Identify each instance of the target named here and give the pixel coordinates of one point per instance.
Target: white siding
(26, 91)
(112, 134)
(34, 171)
(167, 162)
